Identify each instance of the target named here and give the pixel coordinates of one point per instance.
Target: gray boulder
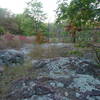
(11, 57)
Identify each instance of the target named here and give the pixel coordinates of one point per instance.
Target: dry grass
(53, 51)
(14, 73)
(4, 44)
(10, 41)
(40, 52)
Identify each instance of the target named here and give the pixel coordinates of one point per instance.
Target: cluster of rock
(67, 78)
(11, 57)
(45, 88)
(79, 65)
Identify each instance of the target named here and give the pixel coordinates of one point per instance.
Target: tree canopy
(79, 12)
(35, 12)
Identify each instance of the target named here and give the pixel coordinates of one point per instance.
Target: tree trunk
(74, 37)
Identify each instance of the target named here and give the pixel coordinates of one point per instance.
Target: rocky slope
(69, 78)
(57, 78)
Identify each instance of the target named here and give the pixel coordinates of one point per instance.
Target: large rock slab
(11, 57)
(79, 65)
(79, 87)
(58, 79)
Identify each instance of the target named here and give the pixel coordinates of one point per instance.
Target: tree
(78, 14)
(7, 21)
(35, 11)
(25, 24)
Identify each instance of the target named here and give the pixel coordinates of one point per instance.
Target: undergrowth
(14, 73)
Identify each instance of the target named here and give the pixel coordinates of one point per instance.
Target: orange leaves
(40, 38)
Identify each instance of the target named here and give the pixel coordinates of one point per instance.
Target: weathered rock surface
(11, 57)
(81, 87)
(79, 65)
(58, 79)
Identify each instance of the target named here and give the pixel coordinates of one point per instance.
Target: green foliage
(2, 30)
(75, 52)
(79, 12)
(25, 24)
(35, 12)
(7, 21)
(82, 44)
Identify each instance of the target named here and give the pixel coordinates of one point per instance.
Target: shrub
(2, 30)
(22, 38)
(75, 52)
(82, 44)
(9, 41)
(9, 37)
(40, 38)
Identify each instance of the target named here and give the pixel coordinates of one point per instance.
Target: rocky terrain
(56, 78)
(11, 57)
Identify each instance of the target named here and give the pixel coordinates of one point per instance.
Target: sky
(17, 6)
